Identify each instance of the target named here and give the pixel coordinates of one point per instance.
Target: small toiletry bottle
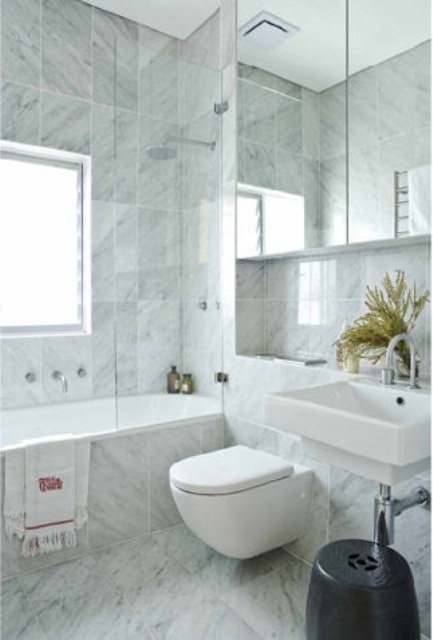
(173, 381)
(187, 384)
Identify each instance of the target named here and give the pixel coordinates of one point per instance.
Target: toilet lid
(228, 470)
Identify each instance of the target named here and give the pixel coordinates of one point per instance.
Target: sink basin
(381, 433)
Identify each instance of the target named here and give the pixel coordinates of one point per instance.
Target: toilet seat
(227, 471)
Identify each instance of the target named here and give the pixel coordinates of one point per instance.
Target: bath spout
(58, 375)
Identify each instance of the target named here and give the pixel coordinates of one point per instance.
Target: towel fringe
(54, 540)
(14, 525)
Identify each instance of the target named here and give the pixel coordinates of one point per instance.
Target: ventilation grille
(267, 31)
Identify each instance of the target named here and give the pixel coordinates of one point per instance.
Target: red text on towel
(50, 483)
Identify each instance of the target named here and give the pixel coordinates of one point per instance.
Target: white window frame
(54, 157)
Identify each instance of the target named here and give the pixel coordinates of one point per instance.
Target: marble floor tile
(211, 621)
(73, 601)
(94, 614)
(131, 565)
(18, 621)
(60, 582)
(274, 604)
(166, 595)
(164, 586)
(219, 572)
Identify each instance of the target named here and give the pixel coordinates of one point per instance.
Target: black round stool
(360, 590)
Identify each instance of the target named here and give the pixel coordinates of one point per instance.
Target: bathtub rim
(128, 431)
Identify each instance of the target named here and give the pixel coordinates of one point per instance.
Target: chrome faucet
(58, 375)
(387, 373)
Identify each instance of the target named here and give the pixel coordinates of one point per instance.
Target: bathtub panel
(212, 436)
(119, 489)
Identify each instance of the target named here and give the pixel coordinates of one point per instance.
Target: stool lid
(361, 563)
(228, 471)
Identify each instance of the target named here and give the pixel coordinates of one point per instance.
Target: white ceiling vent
(267, 31)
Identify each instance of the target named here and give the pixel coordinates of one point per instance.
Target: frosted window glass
(40, 243)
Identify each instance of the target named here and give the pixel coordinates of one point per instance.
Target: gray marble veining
(202, 345)
(333, 122)
(67, 356)
(73, 601)
(20, 113)
(103, 349)
(126, 157)
(202, 45)
(208, 621)
(274, 604)
(103, 153)
(18, 621)
(18, 359)
(159, 328)
(166, 448)
(20, 41)
(65, 123)
(363, 125)
(250, 280)
(115, 60)
(159, 83)
(118, 469)
(66, 47)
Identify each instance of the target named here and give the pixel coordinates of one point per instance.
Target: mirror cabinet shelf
(371, 245)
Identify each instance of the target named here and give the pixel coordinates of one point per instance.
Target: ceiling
(178, 18)
(315, 57)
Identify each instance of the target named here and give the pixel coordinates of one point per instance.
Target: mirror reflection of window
(269, 222)
(249, 227)
(283, 227)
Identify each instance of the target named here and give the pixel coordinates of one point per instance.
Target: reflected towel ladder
(401, 204)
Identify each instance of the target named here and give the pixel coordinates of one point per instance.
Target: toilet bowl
(241, 501)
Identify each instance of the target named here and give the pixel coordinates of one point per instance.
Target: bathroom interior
(189, 135)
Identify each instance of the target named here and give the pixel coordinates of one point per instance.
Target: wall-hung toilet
(242, 501)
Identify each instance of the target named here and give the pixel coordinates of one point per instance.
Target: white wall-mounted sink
(379, 432)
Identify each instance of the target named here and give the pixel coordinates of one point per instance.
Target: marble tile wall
(129, 494)
(116, 89)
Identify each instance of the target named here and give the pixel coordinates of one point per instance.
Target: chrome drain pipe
(386, 508)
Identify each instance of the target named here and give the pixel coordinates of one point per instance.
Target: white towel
(15, 478)
(46, 487)
(419, 192)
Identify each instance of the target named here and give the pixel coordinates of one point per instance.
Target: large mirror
(389, 130)
(333, 123)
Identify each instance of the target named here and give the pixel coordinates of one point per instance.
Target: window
(268, 222)
(44, 244)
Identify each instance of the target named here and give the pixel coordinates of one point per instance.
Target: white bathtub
(105, 415)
